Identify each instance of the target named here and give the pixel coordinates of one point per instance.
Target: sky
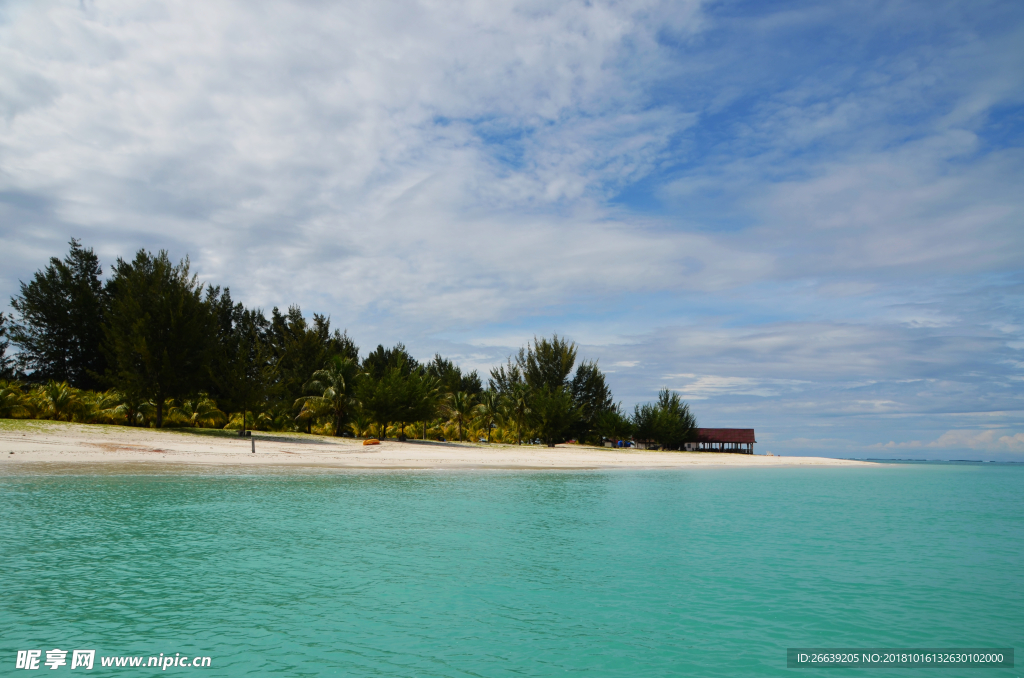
(804, 217)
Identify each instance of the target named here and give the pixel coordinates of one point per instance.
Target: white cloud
(987, 440)
(832, 236)
(702, 387)
(306, 150)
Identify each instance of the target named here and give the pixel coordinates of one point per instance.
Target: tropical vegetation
(153, 346)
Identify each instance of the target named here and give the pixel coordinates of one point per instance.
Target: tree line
(153, 346)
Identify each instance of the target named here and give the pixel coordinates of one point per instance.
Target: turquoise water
(704, 572)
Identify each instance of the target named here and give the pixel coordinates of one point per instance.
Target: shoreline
(25, 443)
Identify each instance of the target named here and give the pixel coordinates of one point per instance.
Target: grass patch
(41, 425)
(25, 424)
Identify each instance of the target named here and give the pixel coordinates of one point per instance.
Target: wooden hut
(735, 440)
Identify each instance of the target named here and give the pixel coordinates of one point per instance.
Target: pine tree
(160, 334)
(561, 402)
(6, 364)
(60, 315)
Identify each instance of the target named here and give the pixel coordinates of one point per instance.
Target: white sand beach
(23, 442)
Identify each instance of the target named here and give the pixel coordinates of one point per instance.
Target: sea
(701, 572)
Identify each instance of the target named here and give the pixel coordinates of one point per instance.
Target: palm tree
(426, 398)
(59, 400)
(242, 422)
(199, 411)
(310, 413)
(335, 384)
(460, 409)
(489, 410)
(519, 407)
(118, 406)
(360, 424)
(12, 400)
(274, 418)
(148, 411)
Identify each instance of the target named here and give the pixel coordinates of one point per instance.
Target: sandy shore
(25, 442)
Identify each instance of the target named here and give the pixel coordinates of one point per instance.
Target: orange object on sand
(371, 441)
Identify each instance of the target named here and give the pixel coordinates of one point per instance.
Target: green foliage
(548, 363)
(199, 412)
(60, 316)
(381, 360)
(240, 421)
(505, 377)
(120, 407)
(301, 347)
(396, 389)
(360, 425)
(667, 422)
(450, 376)
(519, 406)
(592, 399)
(335, 387)
(554, 413)
(6, 364)
(59, 400)
(424, 398)
(158, 329)
(613, 424)
(460, 409)
(385, 394)
(173, 351)
(276, 417)
(545, 369)
(246, 374)
(12, 400)
(489, 410)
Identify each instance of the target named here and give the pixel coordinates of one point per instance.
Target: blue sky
(804, 217)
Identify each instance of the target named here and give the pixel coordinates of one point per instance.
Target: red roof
(725, 435)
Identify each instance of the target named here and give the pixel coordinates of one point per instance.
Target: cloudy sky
(806, 217)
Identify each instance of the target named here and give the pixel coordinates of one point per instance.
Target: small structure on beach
(735, 440)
